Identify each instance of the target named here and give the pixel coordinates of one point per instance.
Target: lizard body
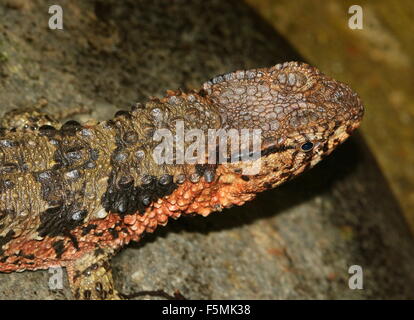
(72, 195)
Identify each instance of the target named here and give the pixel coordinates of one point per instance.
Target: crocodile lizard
(72, 195)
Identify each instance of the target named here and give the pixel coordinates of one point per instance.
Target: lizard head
(303, 115)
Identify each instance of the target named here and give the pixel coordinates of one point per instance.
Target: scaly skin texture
(73, 195)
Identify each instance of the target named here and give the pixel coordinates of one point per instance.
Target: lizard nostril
(307, 146)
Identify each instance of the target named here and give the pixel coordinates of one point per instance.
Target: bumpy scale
(72, 195)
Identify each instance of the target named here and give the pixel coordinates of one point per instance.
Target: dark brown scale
(94, 154)
(245, 178)
(6, 184)
(109, 124)
(147, 179)
(87, 294)
(194, 177)
(130, 137)
(73, 174)
(165, 180)
(209, 176)
(6, 239)
(88, 228)
(89, 165)
(126, 182)
(70, 153)
(146, 199)
(51, 186)
(93, 157)
(47, 131)
(73, 154)
(119, 157)
(3, 214)
(70, 128)
(86, 132)
(71, 125)
(157, 114)
(139, 154)
(200, 169)
(136, 107)
(114, 233)
(26, 256)
(44, 176)
(285, 174)
(103, 295)
(149, 132)
(128, 199)
(61, 219)
(181, 178)
(268, 185)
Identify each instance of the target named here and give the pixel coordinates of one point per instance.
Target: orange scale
(194, 206)
(152, 224)
(130, 219)
(182, 203)
(198, 187)
(204, 212)
(152, 214)
(206, 194)
(162, 219)
(206, 204)
(173, 207)
(187, 195)
(158, 211)
(176, 215)
(201, 199)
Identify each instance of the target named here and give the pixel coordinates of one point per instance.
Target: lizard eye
(307, 146)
